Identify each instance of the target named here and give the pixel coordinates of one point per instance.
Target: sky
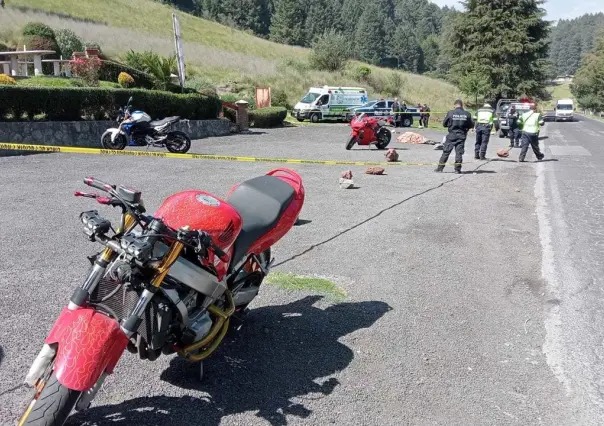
(556, 9)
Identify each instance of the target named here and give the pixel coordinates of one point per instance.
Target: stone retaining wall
(87, 134)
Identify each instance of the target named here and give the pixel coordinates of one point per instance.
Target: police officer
(483, 131)
(459, 122)
(530, 122)
(396, 112)
(426, 115)
(515, 132)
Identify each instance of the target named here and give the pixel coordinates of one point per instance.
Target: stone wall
(87, 134)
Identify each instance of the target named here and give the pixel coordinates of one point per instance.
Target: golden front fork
(129, 223)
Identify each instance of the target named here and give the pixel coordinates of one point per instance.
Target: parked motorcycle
(137, 129)
(163, 284)
(368, 130)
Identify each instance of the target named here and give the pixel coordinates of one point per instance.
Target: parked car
(382, 108)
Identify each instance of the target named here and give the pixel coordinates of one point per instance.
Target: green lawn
(57, 82)
(293, 282)
(558, 91)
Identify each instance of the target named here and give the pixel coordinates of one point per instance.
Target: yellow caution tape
(77, 150)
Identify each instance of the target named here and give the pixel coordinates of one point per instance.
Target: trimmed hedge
(267, 117)
(74, 104)
(111, 70)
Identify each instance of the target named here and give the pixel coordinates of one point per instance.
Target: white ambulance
(321, 103)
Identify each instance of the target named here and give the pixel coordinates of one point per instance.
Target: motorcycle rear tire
(118, 144)
(53, 406)
(182, 145)
(350, 143)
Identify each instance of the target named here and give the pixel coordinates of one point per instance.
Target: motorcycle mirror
(129, 100)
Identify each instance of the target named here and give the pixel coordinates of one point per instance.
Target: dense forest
(405, 34)
(571, 39)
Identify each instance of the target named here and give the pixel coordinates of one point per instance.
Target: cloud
(556, 9)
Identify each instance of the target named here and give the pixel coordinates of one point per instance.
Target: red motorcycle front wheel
(52, 406)
(350, 143)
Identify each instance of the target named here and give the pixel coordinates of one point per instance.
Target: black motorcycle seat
(261, 202)
(158, 123)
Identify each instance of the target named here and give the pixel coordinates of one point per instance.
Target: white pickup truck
(564, 110)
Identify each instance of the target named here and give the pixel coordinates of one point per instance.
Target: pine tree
(405, 48)
(503, 42)
(566, 55)
(349, 16)
(315, 24)
(430, 49)
(588, 84)
(287, 24)
(248, 14)
(370, 34)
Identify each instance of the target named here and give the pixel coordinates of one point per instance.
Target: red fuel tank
(202, 211)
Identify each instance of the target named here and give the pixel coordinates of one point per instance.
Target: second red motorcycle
(368, 130)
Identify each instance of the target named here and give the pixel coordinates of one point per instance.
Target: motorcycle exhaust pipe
(40, 364)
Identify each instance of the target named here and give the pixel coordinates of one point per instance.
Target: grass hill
(558, 91)
(217, 55)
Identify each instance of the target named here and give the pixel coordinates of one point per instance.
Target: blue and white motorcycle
(137, 129)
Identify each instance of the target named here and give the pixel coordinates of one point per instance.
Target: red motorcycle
(369, 130)
(163, 284)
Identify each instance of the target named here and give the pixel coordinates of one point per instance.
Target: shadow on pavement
(302, 222)
(281, 353)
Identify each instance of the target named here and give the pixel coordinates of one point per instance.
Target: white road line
(570, 364)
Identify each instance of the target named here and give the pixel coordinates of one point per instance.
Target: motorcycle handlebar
(98, 184)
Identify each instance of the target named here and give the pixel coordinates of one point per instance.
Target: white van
(329, 103)
(564, 110)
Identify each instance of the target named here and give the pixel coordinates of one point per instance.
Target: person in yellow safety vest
(530, 123)
(484, 120)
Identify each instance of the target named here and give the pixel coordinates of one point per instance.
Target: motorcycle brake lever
(86, 194)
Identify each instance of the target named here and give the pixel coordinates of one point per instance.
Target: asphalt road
(570, 196)
(447, 309)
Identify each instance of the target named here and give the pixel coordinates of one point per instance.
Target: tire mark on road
(375, 216)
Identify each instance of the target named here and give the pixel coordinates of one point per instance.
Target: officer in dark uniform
(515, 131)
(459, 122)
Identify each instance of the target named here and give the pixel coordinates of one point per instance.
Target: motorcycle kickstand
(200, 377)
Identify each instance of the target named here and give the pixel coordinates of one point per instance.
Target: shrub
(111, 70)
(38, 29)
(68, 43)
(199, 84)
(394, 84)
(362, 73)
(35, 42)
(230, 114)
(94, 45)
(7, 80)
(125, 80)
(279, 98)
(158, 67)
(267, 117)
(73, 104)
(88, 69)
(329, 52)
(138, 60)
